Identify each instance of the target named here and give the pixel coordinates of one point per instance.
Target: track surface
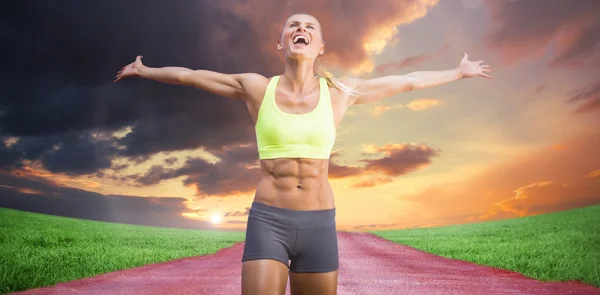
(368, 265)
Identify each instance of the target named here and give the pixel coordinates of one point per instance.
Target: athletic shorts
(304, 240)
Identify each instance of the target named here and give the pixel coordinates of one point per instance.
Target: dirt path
(368, 265)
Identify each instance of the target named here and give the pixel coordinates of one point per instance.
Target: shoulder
(254, 85)
(251, 79)
(252, 82)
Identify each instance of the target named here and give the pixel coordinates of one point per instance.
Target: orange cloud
(23, 190)
(415, 105)
(543, 181)
(423, 103)
(371, 182)
(540, 198)
(56, 178)
(594, 174)
(352, 30)
(517, 205)
(380, 109)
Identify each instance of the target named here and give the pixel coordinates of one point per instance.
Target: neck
(300, 75)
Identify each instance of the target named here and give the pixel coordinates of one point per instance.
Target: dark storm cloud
(41, 196)
(60, 60)
(9, 156)
(79, 154)
(236, 172)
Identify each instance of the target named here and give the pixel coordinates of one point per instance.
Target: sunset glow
(523, 143)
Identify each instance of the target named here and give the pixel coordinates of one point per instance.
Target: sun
(216, 218)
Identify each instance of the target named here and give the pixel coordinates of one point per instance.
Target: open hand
(473, 68)
(132, 69)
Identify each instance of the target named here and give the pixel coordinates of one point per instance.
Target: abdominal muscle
(296, 184)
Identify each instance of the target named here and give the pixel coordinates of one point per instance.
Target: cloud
(588, 97)
(399, 159)
(545, 197)
(371, 182)
(337, 171)
(415, 105)
(352, 30)
(378, 110)
(423, 103)
(238, 213)
(594, 174)
(11, 158)
(60, 93)
(545, 180)
(38, 195)
(394, 160)
(570, 29)
(412, 61)
(236, 172)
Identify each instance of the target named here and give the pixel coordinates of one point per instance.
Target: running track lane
(368, 265)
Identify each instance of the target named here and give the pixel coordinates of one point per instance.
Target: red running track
(368, 265)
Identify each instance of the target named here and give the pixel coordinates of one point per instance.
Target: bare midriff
(297, 184)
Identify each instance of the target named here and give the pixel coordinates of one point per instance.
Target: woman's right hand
(132, 69)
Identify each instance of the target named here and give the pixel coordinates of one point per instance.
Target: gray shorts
(306, 239)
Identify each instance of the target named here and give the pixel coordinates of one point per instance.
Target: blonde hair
(323, 73)
(334, 82)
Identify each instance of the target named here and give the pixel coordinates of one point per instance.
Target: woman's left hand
(473, 68)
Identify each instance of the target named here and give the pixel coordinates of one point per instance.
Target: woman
(292, 217)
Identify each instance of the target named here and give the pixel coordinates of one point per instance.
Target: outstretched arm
(376, 89)
(227, 85)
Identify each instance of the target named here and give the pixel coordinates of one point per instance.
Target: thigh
(316, 251)
(264, 277)
(314, 283)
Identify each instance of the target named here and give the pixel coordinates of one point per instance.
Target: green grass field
(38, 250)
(558, 246)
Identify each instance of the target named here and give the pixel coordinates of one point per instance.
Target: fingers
(485, 66)
(465, 56)
(485, 76)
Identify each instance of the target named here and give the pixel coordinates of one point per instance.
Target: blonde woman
(291, 228)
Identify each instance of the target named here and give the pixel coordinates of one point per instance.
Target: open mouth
(300, 39)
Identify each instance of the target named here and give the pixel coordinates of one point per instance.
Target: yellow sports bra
(285, 135)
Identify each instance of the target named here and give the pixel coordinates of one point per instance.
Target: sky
(73, 143)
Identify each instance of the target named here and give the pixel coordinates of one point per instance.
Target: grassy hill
(38, 250)
(558, 246)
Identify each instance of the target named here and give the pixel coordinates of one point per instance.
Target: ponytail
(334, 82)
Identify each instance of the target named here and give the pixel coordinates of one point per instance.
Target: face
(301, 37)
